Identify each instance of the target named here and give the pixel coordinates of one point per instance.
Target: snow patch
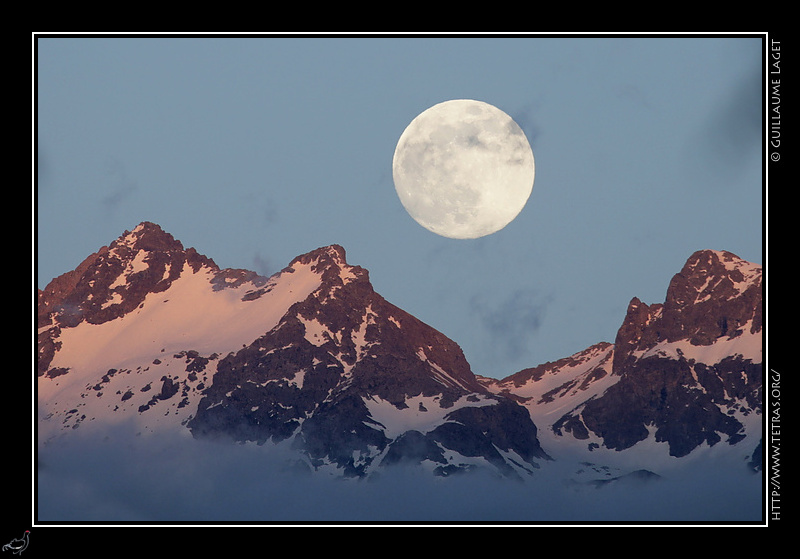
(190, 315)
(562, 389)
(439, 373)
(316, 332)
(748, 345)
(422, 413)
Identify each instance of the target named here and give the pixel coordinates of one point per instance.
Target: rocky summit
(682, 377)
(149, 334)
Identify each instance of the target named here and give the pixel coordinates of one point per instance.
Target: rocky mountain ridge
(683, 375)
(312, 358)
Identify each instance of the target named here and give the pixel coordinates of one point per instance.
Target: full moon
(463, 169)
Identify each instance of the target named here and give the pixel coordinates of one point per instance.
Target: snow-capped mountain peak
(681, 375)
(141, 304)
(160, 339)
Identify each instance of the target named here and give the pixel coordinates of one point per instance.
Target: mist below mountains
(174, 479)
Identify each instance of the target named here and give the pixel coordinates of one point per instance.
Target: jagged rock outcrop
(686, 372)
(111, 283)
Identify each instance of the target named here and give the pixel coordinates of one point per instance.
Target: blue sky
(255, 150)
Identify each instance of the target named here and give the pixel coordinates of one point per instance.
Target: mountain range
(147, 333)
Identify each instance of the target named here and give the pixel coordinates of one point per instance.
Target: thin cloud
(43, 173)
(120, 185)
(526, 120)
(511, 322)
(730, 135)
(735, 128)
(261, 265)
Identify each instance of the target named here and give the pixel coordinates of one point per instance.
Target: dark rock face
(715, 295)
(662, 393)
(634, 329)
(481, 431)
(716, 298)
(634, 478)
(341, 432)
(309, 378)
(414, 447)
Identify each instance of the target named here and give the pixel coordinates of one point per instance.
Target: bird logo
(18, 545)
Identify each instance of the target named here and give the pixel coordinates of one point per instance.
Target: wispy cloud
(730, 135)
(527, 121)
(120, 186)
(42, 170)
(735, 127)
(262, 265)
(511, 322)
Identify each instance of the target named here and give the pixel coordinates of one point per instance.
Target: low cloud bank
(158, 479)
